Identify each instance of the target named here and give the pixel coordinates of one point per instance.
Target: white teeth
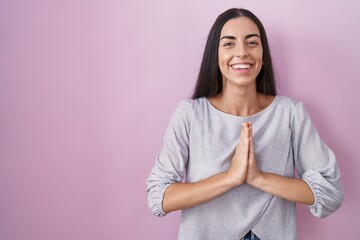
(241, 66)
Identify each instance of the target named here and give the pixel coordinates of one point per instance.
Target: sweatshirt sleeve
(172, 159)
(316, 164)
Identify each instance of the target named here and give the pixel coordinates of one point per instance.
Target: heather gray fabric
(200, 142)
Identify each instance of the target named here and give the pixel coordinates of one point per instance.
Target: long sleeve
(200, 142)
(316, 164)
(172, 159)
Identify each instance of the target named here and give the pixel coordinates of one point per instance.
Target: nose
(240, 51)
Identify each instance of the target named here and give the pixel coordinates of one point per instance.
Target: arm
(294, 190)
(165, 189)
(316, 164)
(290, 189)
(184, 195)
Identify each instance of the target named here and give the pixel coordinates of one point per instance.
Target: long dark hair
(209, 82)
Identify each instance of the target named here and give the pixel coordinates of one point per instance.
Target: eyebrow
(246, 37)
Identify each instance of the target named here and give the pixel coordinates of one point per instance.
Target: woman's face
(240, 52)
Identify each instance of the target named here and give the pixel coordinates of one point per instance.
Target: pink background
(87, 89)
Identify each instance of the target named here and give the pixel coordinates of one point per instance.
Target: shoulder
(291, 107)
(291, 104)
(185, 109)
(184, 113)
(287, 101)
(187, 106)
(296, 109)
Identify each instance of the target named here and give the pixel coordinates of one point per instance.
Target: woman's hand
(243, 166)
(253, 171)
(240, 161)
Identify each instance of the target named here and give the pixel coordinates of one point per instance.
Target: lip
(242, 70)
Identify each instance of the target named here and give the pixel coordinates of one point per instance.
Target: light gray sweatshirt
(200, 142)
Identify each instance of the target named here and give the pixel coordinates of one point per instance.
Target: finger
(249, 129)
(243, 154)
(245, 145)
(242, 132)
(245, 149)
(252, 160)
(242, 135)
(250, 132)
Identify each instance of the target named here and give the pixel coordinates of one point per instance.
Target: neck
(242, 102)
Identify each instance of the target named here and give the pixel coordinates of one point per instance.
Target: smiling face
(240, 52)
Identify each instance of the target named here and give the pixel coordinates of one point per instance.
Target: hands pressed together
(243, 166)
(243, 169)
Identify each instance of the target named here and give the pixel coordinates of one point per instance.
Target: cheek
(258, 56)
(224, 57)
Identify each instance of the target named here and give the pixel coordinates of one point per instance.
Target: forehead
(240, 26)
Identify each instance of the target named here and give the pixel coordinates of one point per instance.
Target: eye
(228, 44)
(253, 43)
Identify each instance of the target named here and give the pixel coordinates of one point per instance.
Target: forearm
(185, 195)
(294, 190)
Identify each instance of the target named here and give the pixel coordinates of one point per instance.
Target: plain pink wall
(87, 89)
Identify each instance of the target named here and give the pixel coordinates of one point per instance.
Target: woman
(230, 186)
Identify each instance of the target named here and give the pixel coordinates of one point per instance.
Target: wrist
(232, 181)
(257, 180)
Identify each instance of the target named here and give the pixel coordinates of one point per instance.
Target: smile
(241, 66)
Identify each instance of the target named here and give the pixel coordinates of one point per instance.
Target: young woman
(230, 153)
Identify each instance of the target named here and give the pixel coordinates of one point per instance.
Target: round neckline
(213, 108)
